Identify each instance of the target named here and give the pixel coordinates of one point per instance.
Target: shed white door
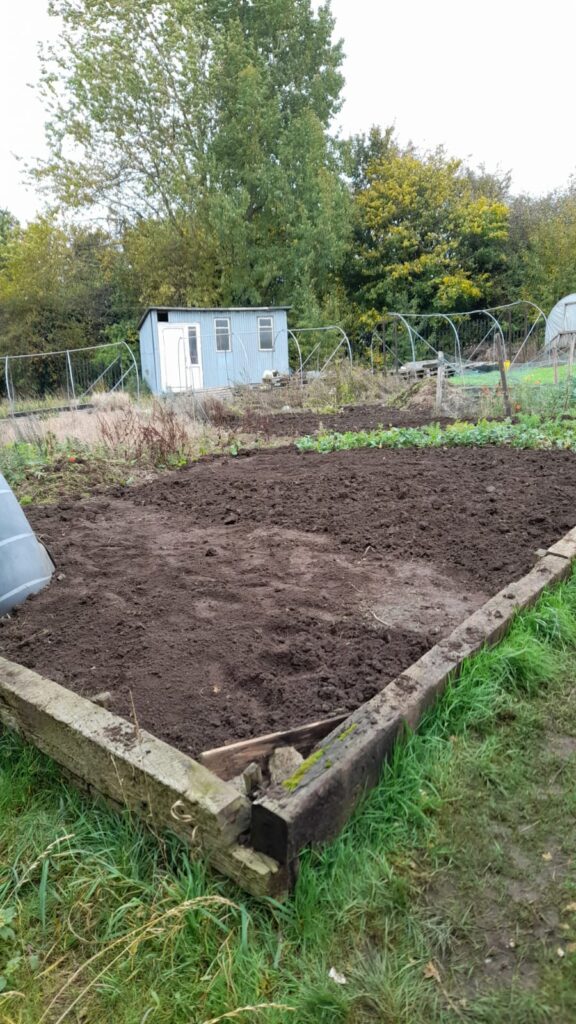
(181, 357)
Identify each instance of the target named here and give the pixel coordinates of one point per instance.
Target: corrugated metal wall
(149, 353)
(244, 364)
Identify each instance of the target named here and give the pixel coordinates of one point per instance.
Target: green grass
(532, 432)
(43, 405)
(102, 922)
(529, 376)
(44, 471)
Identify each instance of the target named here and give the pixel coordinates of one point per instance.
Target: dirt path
(251, 594)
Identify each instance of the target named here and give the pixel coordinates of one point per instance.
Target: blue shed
(197, 349)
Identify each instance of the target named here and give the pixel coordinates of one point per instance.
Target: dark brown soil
(245, 595)
(359, 417)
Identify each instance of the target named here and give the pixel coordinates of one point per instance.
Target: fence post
(555, 358)
(69, 361)
(9, 390)
(439, 382)
(502, 368)
(571, 356)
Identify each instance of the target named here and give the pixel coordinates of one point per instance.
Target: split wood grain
(231, 760)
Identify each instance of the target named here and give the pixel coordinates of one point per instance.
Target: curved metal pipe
(448, 316)
(344, 339)
(402, 318)
(135, 365)
(297, 343)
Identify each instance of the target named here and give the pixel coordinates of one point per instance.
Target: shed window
(266, 333)
(162, 316)
(193, 345)
(222, 330)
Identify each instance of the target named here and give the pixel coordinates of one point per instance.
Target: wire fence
(468, 341)
(68, 378)
(539, 369)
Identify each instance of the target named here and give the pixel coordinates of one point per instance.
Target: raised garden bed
(245, 596)
(296, 423)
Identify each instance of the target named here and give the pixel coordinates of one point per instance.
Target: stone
(283, 763)
(103, 700)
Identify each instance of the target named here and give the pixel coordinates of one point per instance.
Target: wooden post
(395, 338)
(439, 382)
(502, 368)
(571, 356)
(527, 355)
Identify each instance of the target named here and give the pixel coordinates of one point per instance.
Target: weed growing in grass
(79, 451)
(160, 438)
(129, 929)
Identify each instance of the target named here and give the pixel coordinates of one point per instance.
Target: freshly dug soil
(359, 417)
(246, 595)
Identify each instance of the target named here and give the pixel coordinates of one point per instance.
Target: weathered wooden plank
(231, 760)
(566, 547)
(314, 805)
(350, 759)
(160, 784)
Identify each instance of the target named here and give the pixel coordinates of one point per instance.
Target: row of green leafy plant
(101, 921)
(527, 432)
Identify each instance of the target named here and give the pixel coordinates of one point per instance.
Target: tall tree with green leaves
(543, 246)
(59, 288)
(428, 235)
(209, 121)
(8, 229)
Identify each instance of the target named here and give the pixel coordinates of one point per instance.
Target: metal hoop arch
(344, 340)
(451, 317)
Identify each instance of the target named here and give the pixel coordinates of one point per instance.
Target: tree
(428, 236)
(207, 120)
(543, 246)
(362, 151)
(58, 288)
(8, 228)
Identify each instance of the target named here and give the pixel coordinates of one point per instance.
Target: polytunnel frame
(344, 340)
(450, 317)
(70, 382)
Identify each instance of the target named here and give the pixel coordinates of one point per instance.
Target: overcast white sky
(493, 81)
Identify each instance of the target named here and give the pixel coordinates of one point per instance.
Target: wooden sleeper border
(136, 770)
(170, 790)
(349, 760)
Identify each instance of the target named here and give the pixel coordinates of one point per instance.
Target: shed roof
(211, 309)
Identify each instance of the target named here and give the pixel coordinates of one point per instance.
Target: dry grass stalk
(234, 1014)
(129, 944)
